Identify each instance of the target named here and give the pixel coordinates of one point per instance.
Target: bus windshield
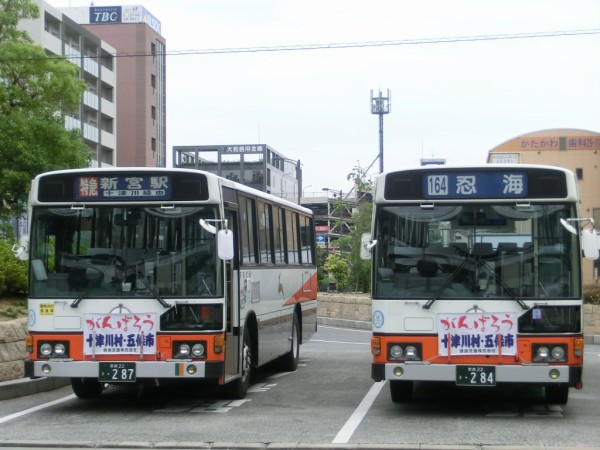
(108, 251)
(475, 250)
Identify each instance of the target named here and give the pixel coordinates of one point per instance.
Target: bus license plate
(476, 375)
(116, 372)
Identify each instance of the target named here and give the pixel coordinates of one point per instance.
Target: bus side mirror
(225, 244)
(21, 250)
(589, 244)
(366, 245)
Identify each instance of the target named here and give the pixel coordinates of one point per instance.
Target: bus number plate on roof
(476, 375)
(496, 184)
(116, 372)
(119, 187)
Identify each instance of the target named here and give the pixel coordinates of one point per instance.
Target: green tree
(35, 91)
(338, 267)
(359, 276)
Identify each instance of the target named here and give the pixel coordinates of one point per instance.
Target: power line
(342, 45)
(336, 45)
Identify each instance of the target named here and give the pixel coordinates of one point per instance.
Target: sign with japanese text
(114, 187)
(496, 184)
(504, 158)
(120, 333)
(254, 148)
(465, 334)
(123, 14)
(538, 143)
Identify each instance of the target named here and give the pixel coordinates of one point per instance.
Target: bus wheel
(237, 389)
(87, 387)
(557, 393)
(289, 361)
(401, 391)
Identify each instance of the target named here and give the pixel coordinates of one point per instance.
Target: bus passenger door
(233, 335)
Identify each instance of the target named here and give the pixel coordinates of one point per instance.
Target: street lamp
(304, 189)
(335, 191)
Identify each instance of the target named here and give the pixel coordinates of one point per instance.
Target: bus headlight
(59, 349)
(411, 352)
(189, 350)
(198, 350)
(404, 352)
(543, 353)
(396, 352)
(549, 353)
(558, 353)
(184, 350)
(53, 349)
(46, 349)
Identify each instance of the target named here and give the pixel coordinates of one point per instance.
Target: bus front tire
(401, 391)
(557, 393)
(237, 389)
(87, 388)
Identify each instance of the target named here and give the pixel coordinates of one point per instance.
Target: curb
(27, 386)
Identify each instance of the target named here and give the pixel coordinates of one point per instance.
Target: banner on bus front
(120, 334)
(464, 334)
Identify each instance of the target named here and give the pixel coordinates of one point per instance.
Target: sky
(450, 100)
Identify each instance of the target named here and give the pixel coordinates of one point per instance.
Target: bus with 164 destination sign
(154, 275)
(477, 278)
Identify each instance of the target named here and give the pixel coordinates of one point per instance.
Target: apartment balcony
(109, 140)
(90, 132)
(52, 42)
(108, 108)
(90, 99)
(108, 76)
(91, 66)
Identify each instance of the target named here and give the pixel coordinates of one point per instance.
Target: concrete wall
(350, 310)
(12, 348)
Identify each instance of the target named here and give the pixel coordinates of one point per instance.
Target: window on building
(153, 112)
(579, 173)
(152, 49)
(153, 144)
(153, 81)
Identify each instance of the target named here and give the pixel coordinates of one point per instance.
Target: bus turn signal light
(376, 346)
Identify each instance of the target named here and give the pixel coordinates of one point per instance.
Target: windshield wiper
(447, 282)
(511, 292)
(156, 295)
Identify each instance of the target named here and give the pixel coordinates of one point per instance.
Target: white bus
(147, 275)
(477, 278)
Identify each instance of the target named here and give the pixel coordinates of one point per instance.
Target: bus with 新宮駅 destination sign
(146, 275)
(476, 278)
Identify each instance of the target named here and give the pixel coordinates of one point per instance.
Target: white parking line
(358, 415)
(36, 408)
(340, 342)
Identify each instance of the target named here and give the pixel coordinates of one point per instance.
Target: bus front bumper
(143, 369)
(530, 373)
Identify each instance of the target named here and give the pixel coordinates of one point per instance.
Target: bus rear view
(477, 278)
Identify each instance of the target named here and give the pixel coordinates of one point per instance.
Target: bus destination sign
(463, 185)
(128, 187)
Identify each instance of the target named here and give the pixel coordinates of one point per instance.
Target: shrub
(13, 272)
(591, 295)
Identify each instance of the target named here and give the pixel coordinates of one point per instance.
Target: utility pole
(380, 106)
